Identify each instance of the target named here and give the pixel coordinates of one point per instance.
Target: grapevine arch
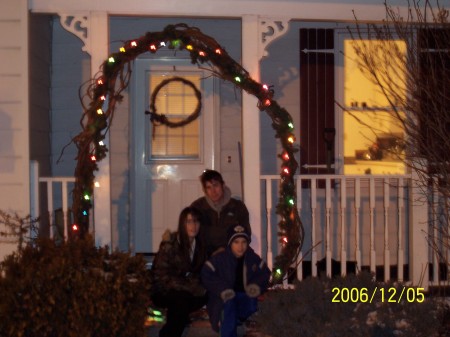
(104, 91)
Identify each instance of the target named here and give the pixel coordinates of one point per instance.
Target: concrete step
(202, 328)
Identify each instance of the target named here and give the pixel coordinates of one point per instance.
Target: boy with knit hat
(234, 278)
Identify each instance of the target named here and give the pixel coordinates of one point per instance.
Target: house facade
(51, 49)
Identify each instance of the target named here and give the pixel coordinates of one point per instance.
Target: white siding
(14, 123)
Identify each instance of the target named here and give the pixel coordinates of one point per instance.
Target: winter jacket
(219, 273)
(219, 218)
(171, 270)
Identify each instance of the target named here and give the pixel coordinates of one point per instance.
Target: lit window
(373, 136)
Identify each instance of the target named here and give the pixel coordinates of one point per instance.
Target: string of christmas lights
(105, 90)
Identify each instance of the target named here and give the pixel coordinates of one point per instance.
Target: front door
(168, 161)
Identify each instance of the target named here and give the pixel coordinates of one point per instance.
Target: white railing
(362, 221)
(58, 190)
(353, 221)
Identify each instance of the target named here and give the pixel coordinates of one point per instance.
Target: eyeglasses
(190, 221)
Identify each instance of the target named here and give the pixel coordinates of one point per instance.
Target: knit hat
(236, 232)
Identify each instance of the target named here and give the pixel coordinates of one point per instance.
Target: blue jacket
(219, 273)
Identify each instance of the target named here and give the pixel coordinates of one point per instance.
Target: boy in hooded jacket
(234, 278)
(220, 211)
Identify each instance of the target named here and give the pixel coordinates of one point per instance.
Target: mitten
(227, 294)
(253, 290)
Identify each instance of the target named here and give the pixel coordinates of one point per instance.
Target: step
(202, 328)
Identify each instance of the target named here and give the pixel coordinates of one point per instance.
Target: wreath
(161, 118)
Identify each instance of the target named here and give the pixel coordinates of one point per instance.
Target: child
(234, 279)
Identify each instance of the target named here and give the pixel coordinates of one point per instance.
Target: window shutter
(317, 121)
(434, 61)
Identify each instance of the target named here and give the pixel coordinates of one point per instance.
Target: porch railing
(50, 200)
(352, 222)
(356, 222)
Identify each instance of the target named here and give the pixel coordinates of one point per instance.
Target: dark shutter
(317, 122)
(434, 58)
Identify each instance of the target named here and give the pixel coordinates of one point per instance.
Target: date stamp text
(389, 295)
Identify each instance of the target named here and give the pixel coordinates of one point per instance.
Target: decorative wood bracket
(79, 25)
(270, 30)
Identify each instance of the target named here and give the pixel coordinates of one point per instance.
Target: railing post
(373, 254)
(65, 208)
(358, 256)
(50, 209)
(434, 230)
(313, 227)
(299, 208)
(343, 232)
(387, 253)
(34, 197)
(327, 225)
(269, 222)
(418, 231)
(400, 252)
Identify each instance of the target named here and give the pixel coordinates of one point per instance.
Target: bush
(308, 310)
(72, 289)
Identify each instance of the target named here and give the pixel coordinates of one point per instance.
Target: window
(176, 101)
(372, 136)
(364, 137)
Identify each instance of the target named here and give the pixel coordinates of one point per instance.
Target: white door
(167, 162)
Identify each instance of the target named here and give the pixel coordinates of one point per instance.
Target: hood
(226, 198)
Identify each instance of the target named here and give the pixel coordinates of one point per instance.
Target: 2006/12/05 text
(390, 295)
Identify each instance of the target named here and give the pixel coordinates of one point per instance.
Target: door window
(176, 101)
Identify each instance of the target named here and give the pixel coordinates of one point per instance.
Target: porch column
(92, 29)
(251, 130)
(98, 38)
